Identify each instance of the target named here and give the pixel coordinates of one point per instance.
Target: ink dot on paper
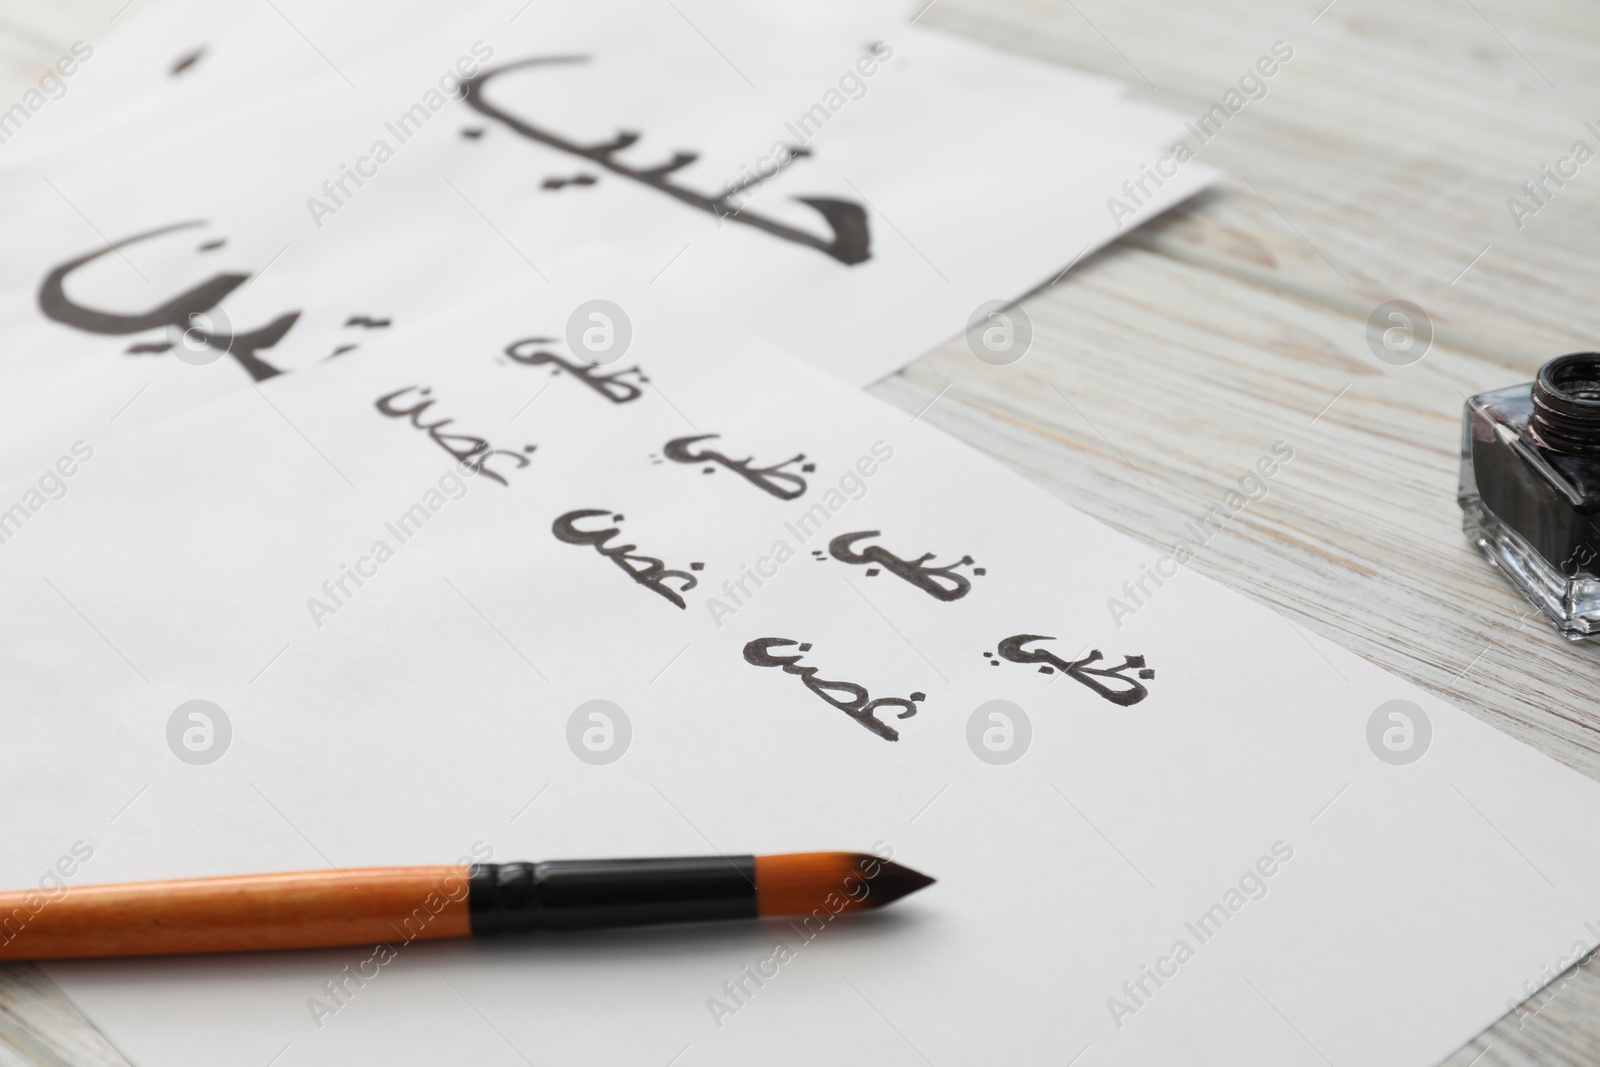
(1147, 673)
(1047, 670)
(806, 647)
(980, 571)
(212, 246)
(872, 572)
(709, 470)
(697, 566)
(919, 696)
(472, 133)
(185, 61)
(808, 468)
(529, 448)
(617, 518)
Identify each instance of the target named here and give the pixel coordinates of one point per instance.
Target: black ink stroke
(555, 182)
(846, 220)
(185, 61)
(178, 311)
(785, 485)
(941, 583)
(611, 386)
(1130, 692)
(848, 697)
(648, 571)
(467, 449)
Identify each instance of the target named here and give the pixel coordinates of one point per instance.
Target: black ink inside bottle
(1530, 488)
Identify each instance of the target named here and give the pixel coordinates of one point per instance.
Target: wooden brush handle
(306, 909)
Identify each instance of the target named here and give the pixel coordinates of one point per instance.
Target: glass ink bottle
(1530, 488)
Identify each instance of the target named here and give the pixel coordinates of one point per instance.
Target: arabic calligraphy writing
(611, 386)
(1127, 691)
(181, 312)
(785, 485)
(848, 697)
(941, 583)
(648, 571)
(467, 449)
(850, 242)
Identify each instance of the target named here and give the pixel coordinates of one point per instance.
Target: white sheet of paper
(981, 176)
(428, 715)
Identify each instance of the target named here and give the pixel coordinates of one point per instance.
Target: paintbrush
(320, 909)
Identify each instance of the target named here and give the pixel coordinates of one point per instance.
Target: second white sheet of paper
(961, 176)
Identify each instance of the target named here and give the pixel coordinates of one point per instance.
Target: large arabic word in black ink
(1128, 691)
(180, 312)
(785, 485)
(848, 697)
(648, 571)
(850, 242)
(941, 583)
(611, 386)
(468, 450)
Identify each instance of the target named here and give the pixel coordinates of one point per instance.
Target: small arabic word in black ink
(1129, 691)
(648, 571)
(850, 242)
(180, 312)
(611, 386)
(848, 697)
(785, 485)
(941, 583)
(470, 451)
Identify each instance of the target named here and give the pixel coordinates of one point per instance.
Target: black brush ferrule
(585, 894)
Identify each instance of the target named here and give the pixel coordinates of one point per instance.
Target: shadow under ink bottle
(1530, 488)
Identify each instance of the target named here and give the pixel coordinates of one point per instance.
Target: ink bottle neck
(1566, 405)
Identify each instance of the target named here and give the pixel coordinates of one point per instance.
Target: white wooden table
(1377, 167)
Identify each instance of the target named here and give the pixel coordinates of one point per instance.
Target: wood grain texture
(245, 913)
(1377, 167)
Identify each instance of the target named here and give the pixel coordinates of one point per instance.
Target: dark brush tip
(893, 882)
